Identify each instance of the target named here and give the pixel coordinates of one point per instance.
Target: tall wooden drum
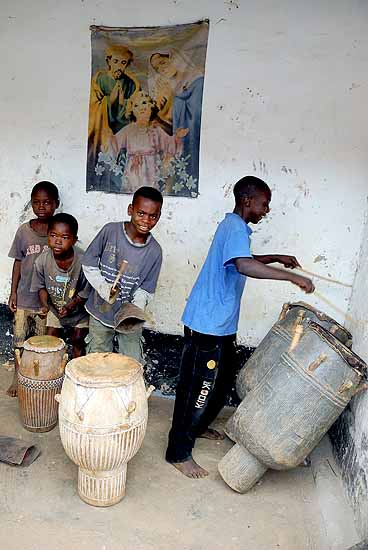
(40, 378)
(102, 418)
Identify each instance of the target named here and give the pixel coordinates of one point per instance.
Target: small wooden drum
(102, 418)
(40, 377)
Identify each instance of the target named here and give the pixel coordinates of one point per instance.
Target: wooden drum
(40, 377)
(102, 418)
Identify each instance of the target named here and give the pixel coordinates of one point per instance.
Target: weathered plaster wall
(284, 90)
(350, 434)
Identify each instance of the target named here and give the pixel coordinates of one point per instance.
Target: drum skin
(102, 418)
(40, 378)
(278, 339)
(287, 413)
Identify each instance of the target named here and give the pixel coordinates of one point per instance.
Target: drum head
(103, 370)
(321, 316)
(44, 344)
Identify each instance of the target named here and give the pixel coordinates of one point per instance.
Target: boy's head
(118, 59)
(252, 198)
(145, 209)
(62, 234)
(44, 199)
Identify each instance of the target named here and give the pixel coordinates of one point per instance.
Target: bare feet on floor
(190, 469)
(12, 391)
(210, 433)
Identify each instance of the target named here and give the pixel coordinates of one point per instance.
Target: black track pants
(207, 372)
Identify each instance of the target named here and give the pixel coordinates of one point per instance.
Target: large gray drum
(286, 414)
(278, 339)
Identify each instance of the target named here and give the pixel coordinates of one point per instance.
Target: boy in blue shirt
(208, 364)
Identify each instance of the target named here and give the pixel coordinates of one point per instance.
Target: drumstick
(122, 268)
(298, 268)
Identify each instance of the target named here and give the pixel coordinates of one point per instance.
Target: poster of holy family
(145, 108)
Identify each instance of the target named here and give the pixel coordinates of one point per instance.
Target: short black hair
(248, 186)
(68, 219)
(148, 193)
(47, 186)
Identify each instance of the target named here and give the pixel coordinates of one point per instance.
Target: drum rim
(79, 378)
(45, 349)
(321, 316)
(351, 358)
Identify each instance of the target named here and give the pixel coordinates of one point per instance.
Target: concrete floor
(40, 509)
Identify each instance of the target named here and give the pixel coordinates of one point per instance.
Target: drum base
(37, 406)
(43, 429)
(240, 469)
(103, 488)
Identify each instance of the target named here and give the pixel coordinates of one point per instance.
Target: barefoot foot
(190, 469)
(210, 433)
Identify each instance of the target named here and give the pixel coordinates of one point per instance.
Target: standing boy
(61, 285)
(211, 320)
(29, 242)
(129, 243)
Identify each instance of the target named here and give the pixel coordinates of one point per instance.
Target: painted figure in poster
(177, 87)
(142, 148)
(110, 92)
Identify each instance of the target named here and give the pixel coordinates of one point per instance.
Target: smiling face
(144, 214)
(61, 239)
(163, 65)
(258, 206)
(43, 204)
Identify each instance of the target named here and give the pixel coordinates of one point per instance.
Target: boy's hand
(64, 311)
(12, 302)
(302, 282)
(288, 261)
(113, 295)
(43, 312)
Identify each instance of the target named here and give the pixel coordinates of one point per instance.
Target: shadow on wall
(349, 436)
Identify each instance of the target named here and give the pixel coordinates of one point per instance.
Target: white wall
(285, 99)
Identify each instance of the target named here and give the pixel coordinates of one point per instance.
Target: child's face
(118, 65)
(60, 239)
(43, 205)
(142, 108)
(259, 206)
(144, 214)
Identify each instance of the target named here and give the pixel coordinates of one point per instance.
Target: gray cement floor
(40, 508)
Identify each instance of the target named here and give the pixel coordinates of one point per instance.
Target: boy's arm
(98, 282)
(284, 259)
(43, 296)
(258, 270)
(14, 286)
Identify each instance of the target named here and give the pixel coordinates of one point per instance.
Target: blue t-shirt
(214, 303)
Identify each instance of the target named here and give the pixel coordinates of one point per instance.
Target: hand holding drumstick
(114, 290)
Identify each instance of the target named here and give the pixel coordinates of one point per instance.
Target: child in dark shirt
(29, 242)
(59, 280)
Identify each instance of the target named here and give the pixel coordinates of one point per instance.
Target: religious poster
(145, 108)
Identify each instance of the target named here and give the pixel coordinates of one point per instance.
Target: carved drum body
(278, 339)
(102, 419)
(40, 377)
(287, 413)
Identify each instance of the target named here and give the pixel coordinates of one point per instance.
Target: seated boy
(129, 243)
(208, 363)
(62, 288)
